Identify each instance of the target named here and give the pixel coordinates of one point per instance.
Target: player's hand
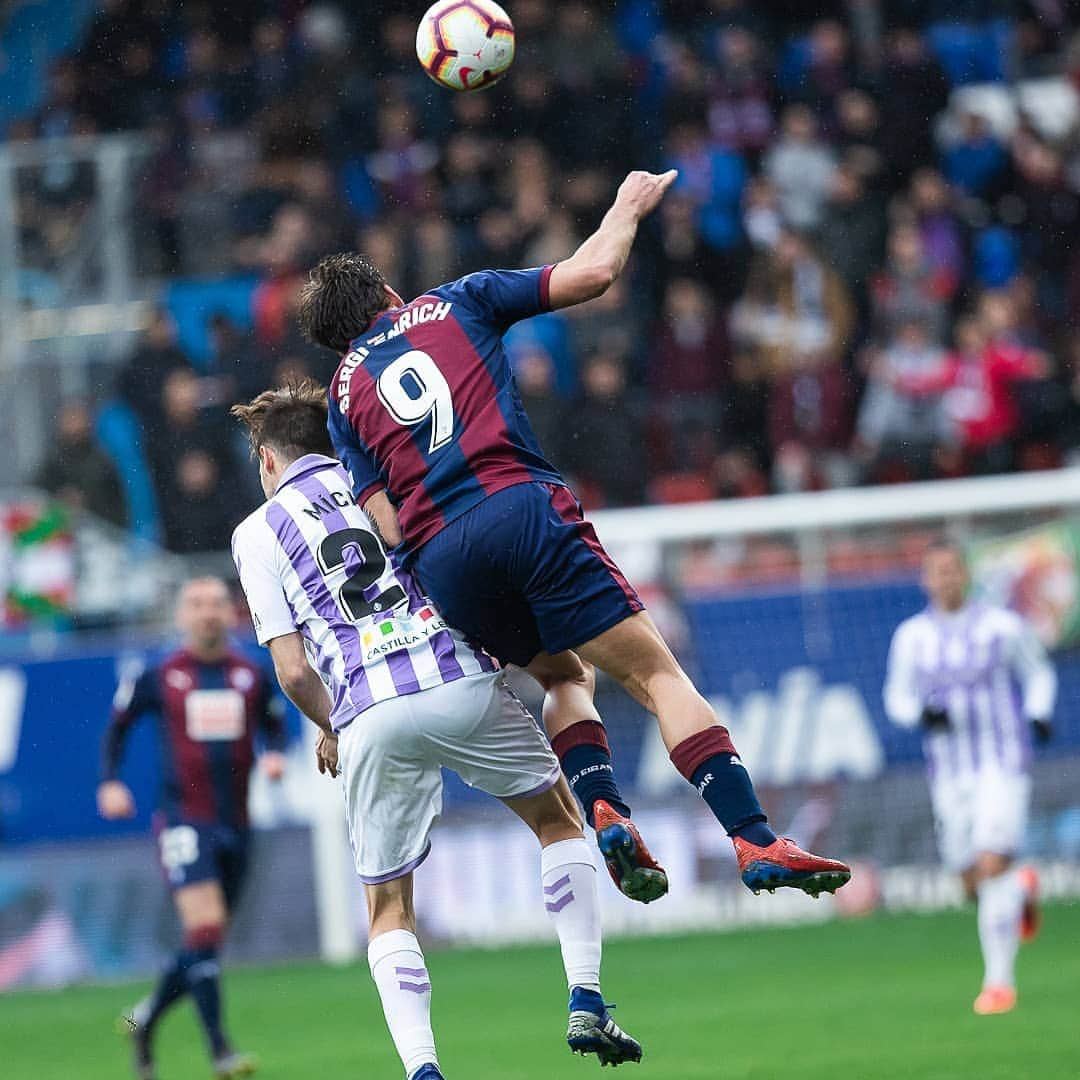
(641, 192)
(934, 718)
(272, 764)
(326, 753)
(1043, 731)
(115, 801)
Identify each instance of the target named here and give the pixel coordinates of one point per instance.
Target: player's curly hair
(341, 297)
(291, 420)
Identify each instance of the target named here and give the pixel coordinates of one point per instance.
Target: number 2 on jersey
(368, 566)
(413, 388)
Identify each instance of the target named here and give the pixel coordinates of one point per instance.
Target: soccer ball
(465, 44)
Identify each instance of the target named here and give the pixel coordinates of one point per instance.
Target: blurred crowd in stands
(851, 282)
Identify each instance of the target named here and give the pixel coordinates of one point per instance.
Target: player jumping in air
(209, 702)
(425, 415)
(408, 695)
(954, 670)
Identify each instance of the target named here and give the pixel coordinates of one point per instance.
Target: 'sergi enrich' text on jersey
(440, 436)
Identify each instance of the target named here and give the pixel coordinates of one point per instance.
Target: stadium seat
(551, 333)
(118, 430)
(971, 54)
(996, 257)
(359, 190)
(34, 35)
(191, 303)
(794, 64)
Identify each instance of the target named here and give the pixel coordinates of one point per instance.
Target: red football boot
(995, 999)
(784, 864)
(633, 869)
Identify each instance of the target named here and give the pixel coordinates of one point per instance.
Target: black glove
(935, 718)
(1043, 731)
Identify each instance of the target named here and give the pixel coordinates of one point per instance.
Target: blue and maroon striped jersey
(424, 403)
(207, 717)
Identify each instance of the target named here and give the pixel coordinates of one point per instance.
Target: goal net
(783, 609)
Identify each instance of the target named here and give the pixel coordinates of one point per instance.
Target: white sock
(1001, 902)
(568, 874)
(398, 968)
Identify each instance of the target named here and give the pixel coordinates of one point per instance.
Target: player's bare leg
(201, 905)
(568, 879)
(635, 653)
(569, 688)
(203, 915)
(1001, 897)
(580, 741)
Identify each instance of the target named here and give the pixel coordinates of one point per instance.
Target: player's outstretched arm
(590, 271)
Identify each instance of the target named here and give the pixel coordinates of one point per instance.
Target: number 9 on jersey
(413, 388)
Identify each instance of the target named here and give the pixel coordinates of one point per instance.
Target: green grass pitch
(886, 997)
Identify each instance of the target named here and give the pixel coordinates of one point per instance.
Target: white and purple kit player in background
(398, 695)
(979, 683)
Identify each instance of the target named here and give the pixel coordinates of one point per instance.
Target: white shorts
(391, 755)
(984, 811)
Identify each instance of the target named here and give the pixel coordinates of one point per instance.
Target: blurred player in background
(426, 417)
(955, 670)
(209, 703)
(409, 696)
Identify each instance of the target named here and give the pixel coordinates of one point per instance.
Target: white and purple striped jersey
(985, 667)
(310, 561)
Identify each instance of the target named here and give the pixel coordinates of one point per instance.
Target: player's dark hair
(340, 298)
(290, 420)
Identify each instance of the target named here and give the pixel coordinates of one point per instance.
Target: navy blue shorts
(523, 573)
(192, 852)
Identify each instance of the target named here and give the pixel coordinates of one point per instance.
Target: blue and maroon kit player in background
(425, 415)
(209, 703)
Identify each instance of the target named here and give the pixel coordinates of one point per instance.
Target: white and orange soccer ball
(465, 44)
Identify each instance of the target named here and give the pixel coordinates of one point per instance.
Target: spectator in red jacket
(980, 399)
